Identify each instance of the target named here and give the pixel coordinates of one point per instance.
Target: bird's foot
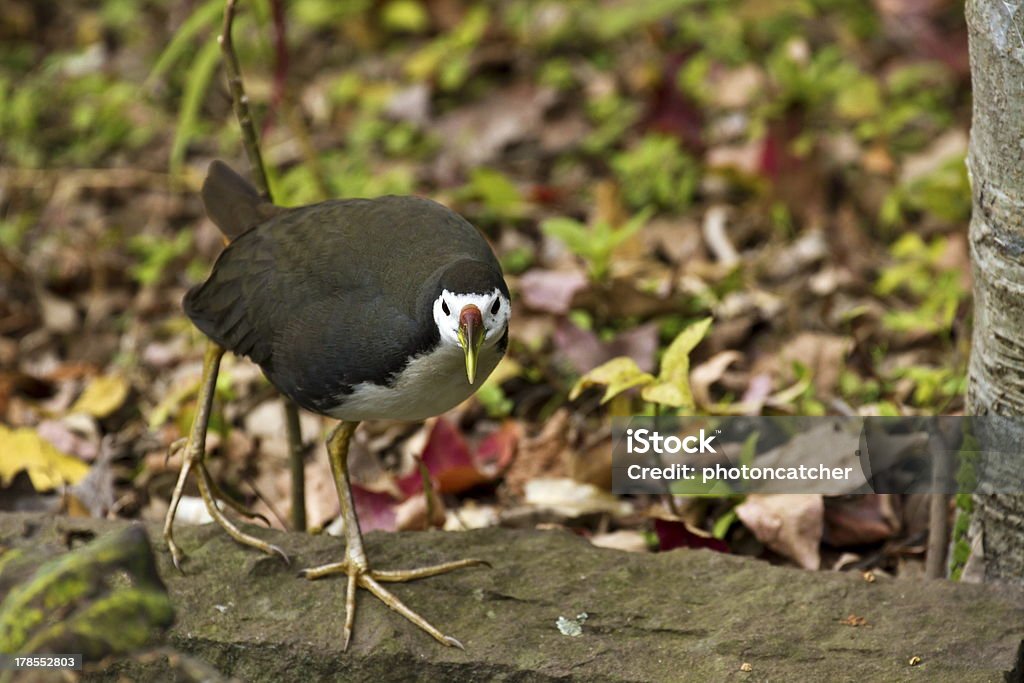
(371, 580)
(211, 494)
(206, 490)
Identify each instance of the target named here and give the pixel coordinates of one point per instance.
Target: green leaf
(405, 15)
(618, 375)
(723, 523)
(181, 43)
(200, 76)
(576, 235)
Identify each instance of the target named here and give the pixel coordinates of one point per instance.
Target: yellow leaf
(618, 375)
(675, 364)
(102, 397)
(673, 385)
(674, 394)
(24, 450)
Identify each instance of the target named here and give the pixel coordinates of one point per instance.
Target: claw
(452, 642)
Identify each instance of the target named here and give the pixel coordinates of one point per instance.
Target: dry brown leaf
(629, 540)
(789, 524)
(572, 499)
(551, 291)
(823, 354)
(709, 372)
(541, 455)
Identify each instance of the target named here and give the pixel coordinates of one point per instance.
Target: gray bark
(996, 167)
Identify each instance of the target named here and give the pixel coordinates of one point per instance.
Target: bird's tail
(232, 203)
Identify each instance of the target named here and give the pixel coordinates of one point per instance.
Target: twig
(240, 103)
(94, 178)
(293, 428)
(939, 443)
(281, 57)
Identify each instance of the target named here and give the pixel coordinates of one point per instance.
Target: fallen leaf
(672, 387)
(791, 525)
(541, 455)
(629, 540)
(475, 135)
(448, 459)
(48, 468)
(617, 376)
(584, 351)
(858, 520)
(854, 620)
(411, 514)
(497, 450)
(592, 463)
(376, 511)
(551, 291)
(676, 533)
(573, 499)
(823, 354)
(709, 372)
(102, 396)
(75, 434)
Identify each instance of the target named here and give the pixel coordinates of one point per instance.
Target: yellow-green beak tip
(471, 336)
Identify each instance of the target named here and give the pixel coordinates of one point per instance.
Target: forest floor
(793, 171)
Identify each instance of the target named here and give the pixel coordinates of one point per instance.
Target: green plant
(155, 254)
(500, 198)
(595, 244)
(944, 193)
(657, 172)
(671, 387)
(447, 58)
(918, 270)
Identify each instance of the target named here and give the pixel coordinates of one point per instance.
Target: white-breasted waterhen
(358, 309)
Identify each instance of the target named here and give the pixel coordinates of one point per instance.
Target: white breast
(429, 385)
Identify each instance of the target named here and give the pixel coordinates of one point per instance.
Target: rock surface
(682, 615)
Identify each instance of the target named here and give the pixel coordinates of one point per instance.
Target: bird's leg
(355, 564)
(194, 453)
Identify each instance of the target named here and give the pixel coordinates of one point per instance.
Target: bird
(390, 308)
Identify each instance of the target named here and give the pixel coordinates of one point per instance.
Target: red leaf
(449, 460)
(376, 510)
(678, 534)
(496, 452)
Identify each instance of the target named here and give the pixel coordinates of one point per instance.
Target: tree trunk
(996, 166)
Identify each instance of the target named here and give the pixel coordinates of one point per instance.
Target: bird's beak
(471, 336)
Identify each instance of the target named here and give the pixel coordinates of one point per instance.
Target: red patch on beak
(470, 319)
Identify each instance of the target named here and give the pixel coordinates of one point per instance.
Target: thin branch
(240, 102)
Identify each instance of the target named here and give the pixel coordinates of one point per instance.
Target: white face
(494, 308)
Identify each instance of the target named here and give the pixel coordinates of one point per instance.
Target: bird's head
(472, 310)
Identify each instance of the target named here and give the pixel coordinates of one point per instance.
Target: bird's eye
(444, 307)
(495, 307)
